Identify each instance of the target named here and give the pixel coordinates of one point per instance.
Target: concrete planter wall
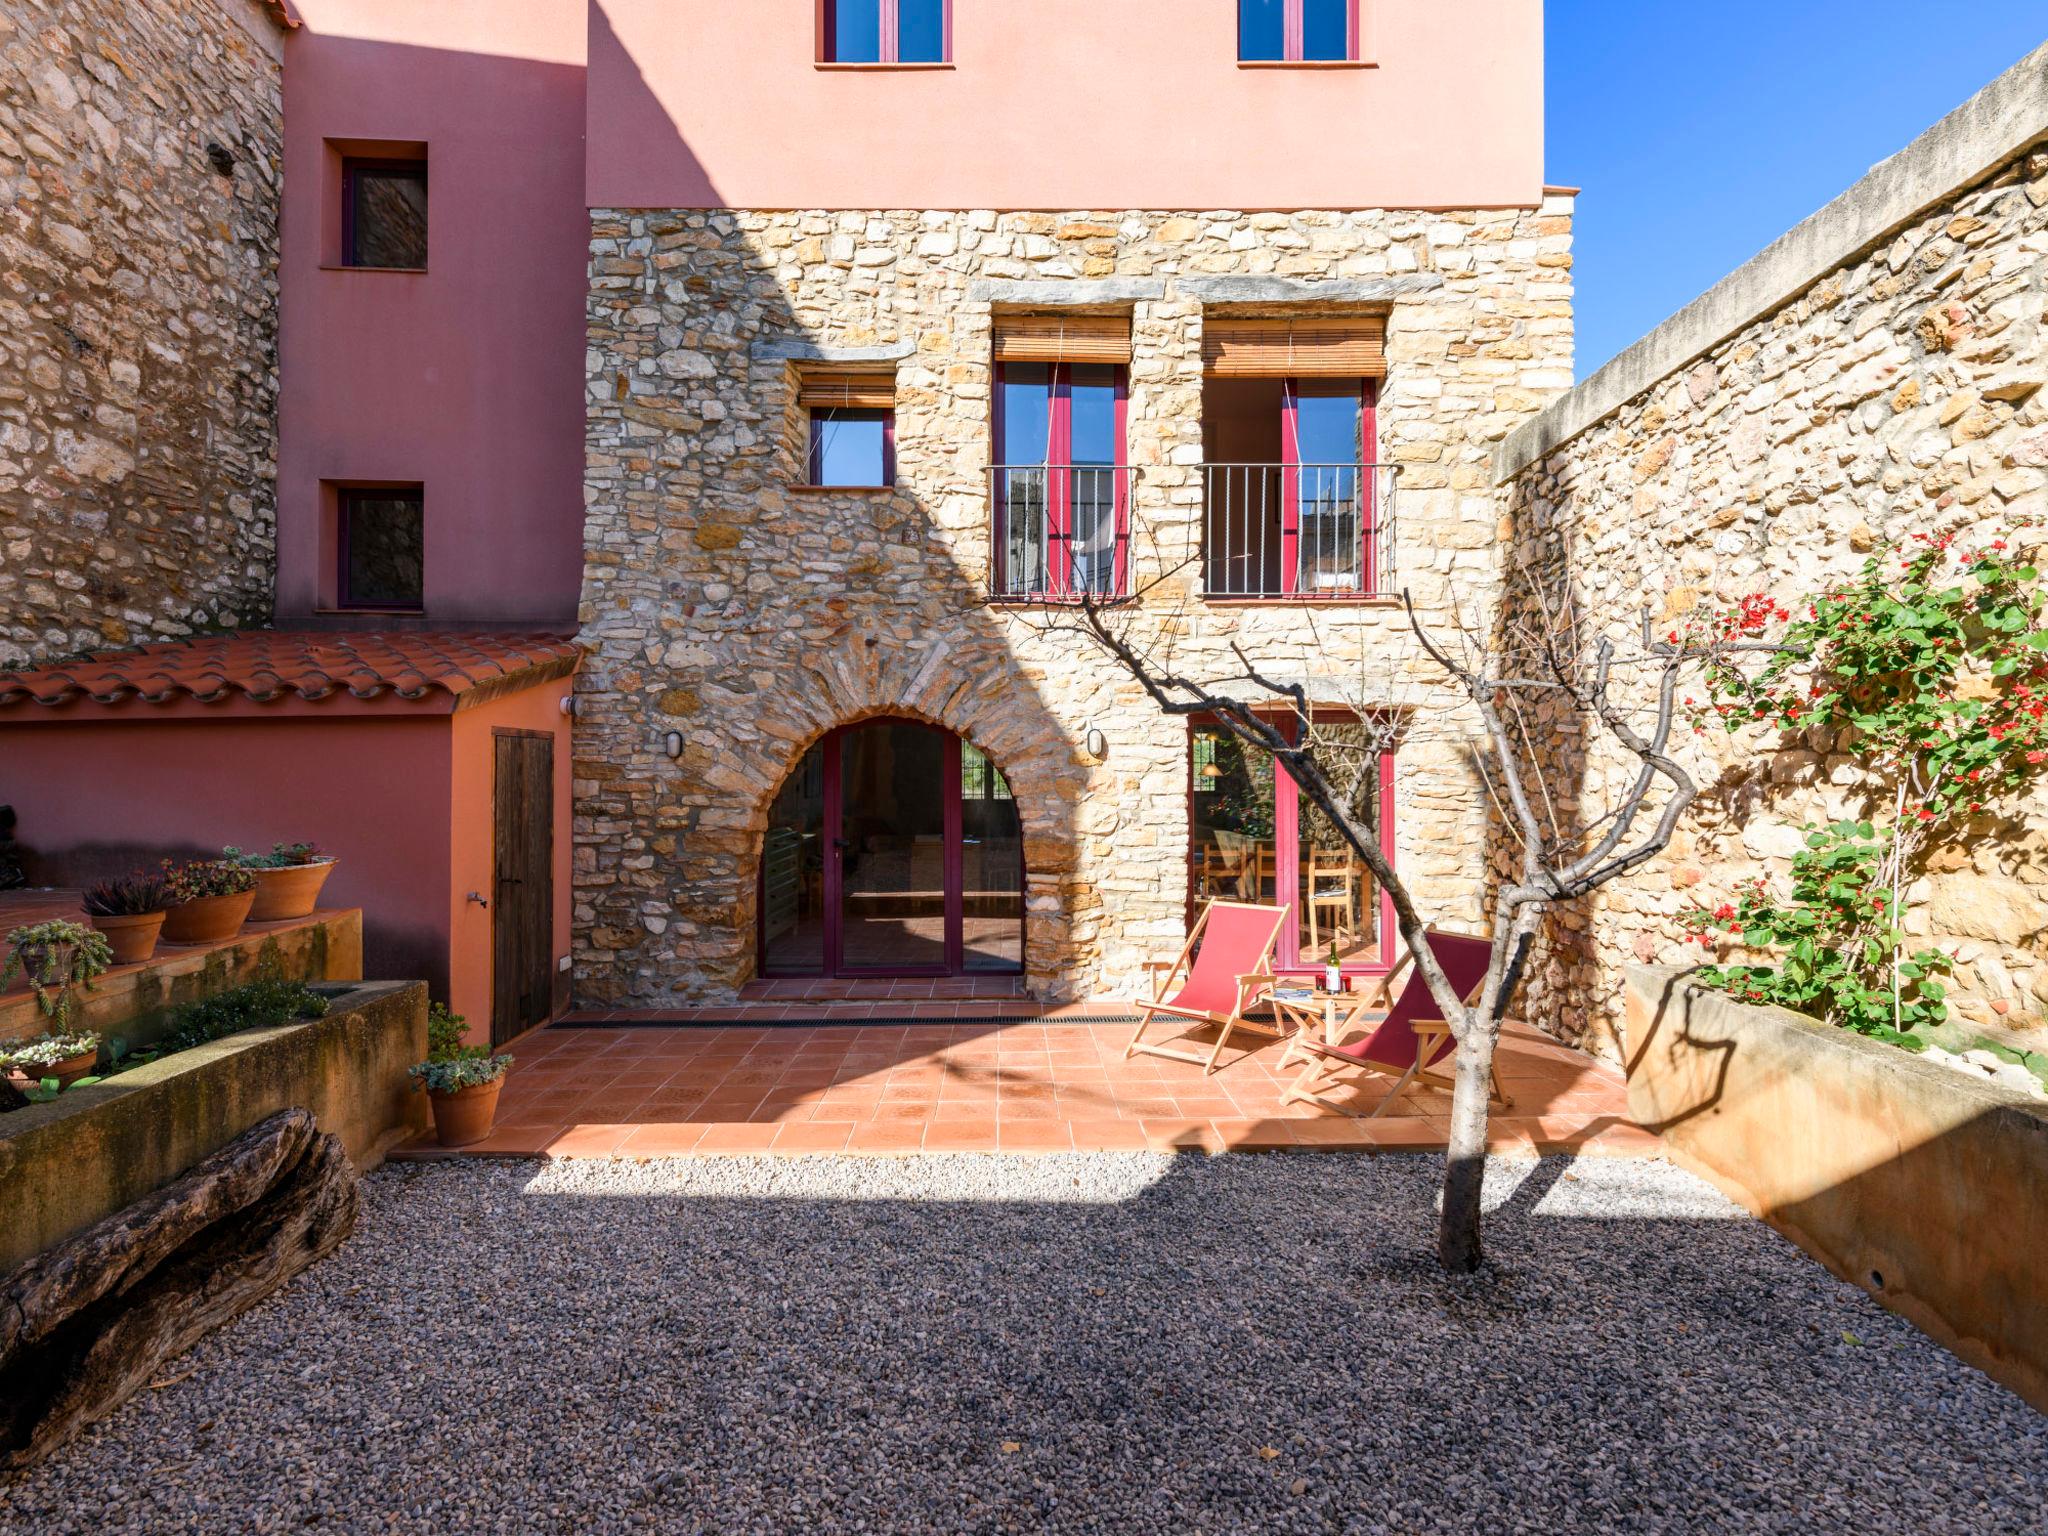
(96, 1150)
(1926, 1188)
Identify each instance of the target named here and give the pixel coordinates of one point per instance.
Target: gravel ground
(1114, 1343)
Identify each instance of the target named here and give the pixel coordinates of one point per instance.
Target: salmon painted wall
(467, 377)
(94, 797)
(471, 852)
(1061, 104)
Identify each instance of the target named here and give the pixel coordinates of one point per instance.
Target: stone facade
(1899, 392)
(139, 185)
(749, 618)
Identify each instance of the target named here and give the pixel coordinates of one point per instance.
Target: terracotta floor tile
(515, 1141)
(1180, 1134)
(589, 1140)
(671, 1140)
(1034, 1136)
(729, 1137)
(815, 1137)
(871, 1136)
(961, 1136)
(1256, 1135)
(1102, 1135)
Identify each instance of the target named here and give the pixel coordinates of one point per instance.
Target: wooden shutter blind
(1349, 347)
(1062, 339)
(866, 389)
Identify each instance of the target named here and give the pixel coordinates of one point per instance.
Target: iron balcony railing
(1061, 530)
(1297, 530)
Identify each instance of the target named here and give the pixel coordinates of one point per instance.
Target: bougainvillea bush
(1930, 667)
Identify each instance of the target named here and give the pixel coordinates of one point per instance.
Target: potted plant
(55, 958)
(461, 1080)
(210, 900)
(130, 912)
(288, 879)
(58, 1058)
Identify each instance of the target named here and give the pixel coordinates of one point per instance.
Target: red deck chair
(1231, 969)
(1406, 1044)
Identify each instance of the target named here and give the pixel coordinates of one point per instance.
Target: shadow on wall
(1909, 1179)
(752, 618)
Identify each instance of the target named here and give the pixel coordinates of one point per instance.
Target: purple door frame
(833, 832)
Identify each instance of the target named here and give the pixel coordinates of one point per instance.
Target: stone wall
(139, 182)
(751, 618)
(1893, 386)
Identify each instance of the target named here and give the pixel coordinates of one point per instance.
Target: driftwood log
(87, 1323)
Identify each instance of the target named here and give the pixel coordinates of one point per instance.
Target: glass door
(893, 849)
(898, 849)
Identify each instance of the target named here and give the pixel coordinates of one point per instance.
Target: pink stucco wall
(467, 377)
(1064, 104)
(97, 797)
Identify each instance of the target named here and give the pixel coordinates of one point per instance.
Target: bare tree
(1534, 674)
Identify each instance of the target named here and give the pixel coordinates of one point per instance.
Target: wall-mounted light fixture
(673, 744)
(569, 705)
(1095, 742)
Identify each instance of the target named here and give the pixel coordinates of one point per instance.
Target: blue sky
(1702, 133)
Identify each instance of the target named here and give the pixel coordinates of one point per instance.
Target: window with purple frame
(384, 213)
(887, 32)
(1297, 31)
(1062, 495)
(380, 547)
(853, 448)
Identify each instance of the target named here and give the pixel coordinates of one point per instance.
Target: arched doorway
(893, 849)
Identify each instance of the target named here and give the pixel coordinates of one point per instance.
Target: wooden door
(522, 884)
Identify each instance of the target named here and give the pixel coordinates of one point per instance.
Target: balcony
(1061, 531)
(1297, 532)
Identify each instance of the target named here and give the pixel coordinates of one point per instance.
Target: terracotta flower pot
(132, 937)
(465, 1115)
(73, 1068)
(288, 892)
(209, 920)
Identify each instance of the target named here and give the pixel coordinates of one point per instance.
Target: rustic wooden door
(522, 885)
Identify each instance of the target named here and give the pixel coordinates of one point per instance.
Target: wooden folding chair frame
(1429, 1035)
(1250, 986)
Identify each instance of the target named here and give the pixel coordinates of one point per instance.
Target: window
(1253, 838)
(850, 419)
(1060, 484)
(1297, 31)
(380, 547)
(887, 32)
(384, 213)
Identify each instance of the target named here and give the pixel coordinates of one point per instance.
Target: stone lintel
(799, 349)
(1062, 292)
(1304, 290)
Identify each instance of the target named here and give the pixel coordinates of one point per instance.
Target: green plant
(1932, 665)
(197, 879)
(450, 1063)
(255, 1005)
(56, 958)
(48, 1050)
(134, 895)
(281, 856)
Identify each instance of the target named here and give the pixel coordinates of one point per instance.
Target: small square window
(384, 213)
(887, 32)
(1297, 31)
(853, 448)
(380, 547)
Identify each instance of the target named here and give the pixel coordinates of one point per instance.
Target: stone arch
(974, 692)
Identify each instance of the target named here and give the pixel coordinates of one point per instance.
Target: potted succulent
(461, 1080)
(288, 879)
(56, 958)
(210, 900)
(57, 1058)
(130, 912)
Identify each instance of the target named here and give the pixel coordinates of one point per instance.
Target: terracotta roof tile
(276, 665)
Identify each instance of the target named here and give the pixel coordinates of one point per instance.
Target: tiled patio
(896, 1077)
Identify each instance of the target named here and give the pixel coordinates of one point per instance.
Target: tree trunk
(87, 1323)
(1457, 1243)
